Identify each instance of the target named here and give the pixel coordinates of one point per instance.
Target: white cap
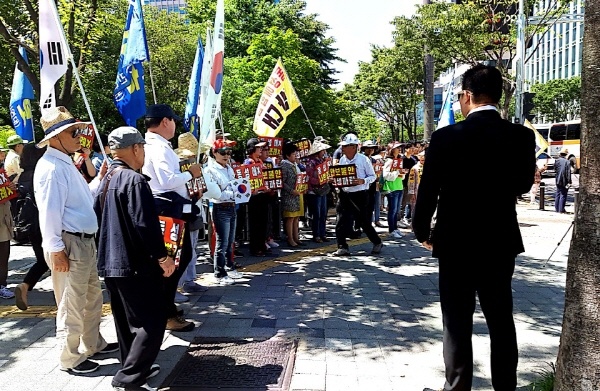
(350, 139)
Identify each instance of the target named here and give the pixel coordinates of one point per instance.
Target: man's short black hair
(485, 82)
(152, 122)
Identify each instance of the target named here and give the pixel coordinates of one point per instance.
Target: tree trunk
(578, 362)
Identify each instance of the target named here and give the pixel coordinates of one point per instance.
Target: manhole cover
(234, 364)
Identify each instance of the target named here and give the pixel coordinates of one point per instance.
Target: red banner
(323, 171)
(6, 194)
(302, 183)
(86, 137)
(275, 145)
(396, 165)
(254, 173)
(172, 230)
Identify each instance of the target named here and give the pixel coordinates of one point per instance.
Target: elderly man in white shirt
(68, 225)
(167, 183)
(353, 199)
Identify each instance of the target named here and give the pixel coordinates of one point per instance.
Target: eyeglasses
(224, 151)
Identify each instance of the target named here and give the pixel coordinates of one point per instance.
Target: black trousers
(140, 321)
(40, 266)
(172, 281)
(352, 206)
(258, 208)
(462, 278)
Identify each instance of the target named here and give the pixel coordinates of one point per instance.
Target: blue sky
(356, 24)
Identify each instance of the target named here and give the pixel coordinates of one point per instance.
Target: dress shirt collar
(482, 108)
(59, 155)
(151, 136)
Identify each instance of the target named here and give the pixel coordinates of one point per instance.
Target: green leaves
(558, 100)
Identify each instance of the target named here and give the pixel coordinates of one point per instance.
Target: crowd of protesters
(93, 214)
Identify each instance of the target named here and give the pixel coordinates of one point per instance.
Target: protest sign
(396, 165)
(195, 186)
(273, 178)
(6, 194)
(254, 174)
(302, 183)
(86, 137)
(323, 171)
(342, 175)
(303, 148)
(275, 145)
(172, 230)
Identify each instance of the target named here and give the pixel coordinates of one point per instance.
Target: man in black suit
(477, 239)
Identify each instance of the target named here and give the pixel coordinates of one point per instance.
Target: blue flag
(190, 120)
(447, 114)
(129, 95)
(20, 102)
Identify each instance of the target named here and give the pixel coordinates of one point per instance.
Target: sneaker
(403, 224)
(341, 251)
(6, 293)
(21, 296)
(273, 243)
(179, 324)
(193, 287)
(234, 274)
(85, 367)
(154, 370)
(377, 248)
(143, 387)
(396, 235)
(225, 280)
(109, 348)
(179, 298)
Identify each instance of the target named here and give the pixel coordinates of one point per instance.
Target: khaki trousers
(78, 296)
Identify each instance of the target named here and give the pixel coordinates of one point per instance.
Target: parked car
(546, 160)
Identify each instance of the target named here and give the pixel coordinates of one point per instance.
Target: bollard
(542, 195)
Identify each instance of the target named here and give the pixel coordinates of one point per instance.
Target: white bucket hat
(318, 145)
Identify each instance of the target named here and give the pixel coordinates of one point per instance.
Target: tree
(578, 362)
(391, 83)
(558, 99)
(482, 30)
(246, 18)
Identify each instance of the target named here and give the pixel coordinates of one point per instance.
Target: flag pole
(301, 105)
(76, 73)
(152, 82)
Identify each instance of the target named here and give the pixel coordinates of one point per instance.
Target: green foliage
(5, 132)
(558, 100)
(546, 380)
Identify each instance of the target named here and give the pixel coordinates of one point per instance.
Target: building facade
(176, 6)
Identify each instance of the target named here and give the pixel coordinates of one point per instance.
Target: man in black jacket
(475, 240)
(133, 259)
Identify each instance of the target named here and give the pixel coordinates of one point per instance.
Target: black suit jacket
(475, 197)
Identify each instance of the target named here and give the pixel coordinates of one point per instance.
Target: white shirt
(161, 164)
(12, 165)
(364, 170)
(63, 198)
(482, 108)
(222, 176)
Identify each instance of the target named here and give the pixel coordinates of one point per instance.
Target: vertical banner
(277, 101)
(190, 118)
(20, 102)
(212, 103)
(172, 230)
(53, 52)
(129, 94)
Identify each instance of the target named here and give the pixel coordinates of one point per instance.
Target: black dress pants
(352, 206)
(137, 307)
(461, 279)
(258, 208)
(40, 266)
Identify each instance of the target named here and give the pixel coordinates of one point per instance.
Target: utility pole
(520, 79)
(428, 108)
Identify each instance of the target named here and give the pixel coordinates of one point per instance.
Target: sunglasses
(224, 151)
(77, 132)
(461, 93)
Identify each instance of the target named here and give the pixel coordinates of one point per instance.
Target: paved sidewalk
(363, 322)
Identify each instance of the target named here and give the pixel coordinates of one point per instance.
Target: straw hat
(188, 145)
(56, 119)
(318, 145)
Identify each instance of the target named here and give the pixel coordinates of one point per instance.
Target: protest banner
(273, 178)
(301, 183)
(342, 175)
(254, 174)
(172, 230)
(323, 171)
(6, 193)
(303, 148)
(378, 168)
(396, 165)
(268, 166)
(275, 145)
(195, 186)
(86, 137)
